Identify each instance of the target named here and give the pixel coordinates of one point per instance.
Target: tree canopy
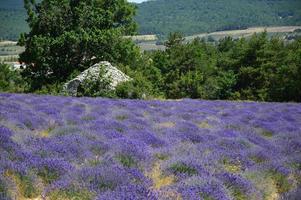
(67, 36)
(258, 68)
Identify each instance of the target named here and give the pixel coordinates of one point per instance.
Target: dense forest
(189, 17)
(195, 16)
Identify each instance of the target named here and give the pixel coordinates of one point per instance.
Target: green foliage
(139, 88)
(68, 36)
(238, 194)
(257, 68)
(52, 89)
(281, 181)
(126, 160)
(48, 175)
(12, 23)
(11, 80)
(206, 197)
(183, 168)
(190, 16)
(197, 16)
(161, 156)
(3, 188)
(71, 194)
(26, 186)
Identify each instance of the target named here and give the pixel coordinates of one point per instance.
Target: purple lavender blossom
(97, 148)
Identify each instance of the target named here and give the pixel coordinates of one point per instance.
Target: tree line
(67, 37)
(258, 68)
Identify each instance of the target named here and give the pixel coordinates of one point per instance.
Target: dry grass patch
(166, 125)
(204, 124)
(44, 133)
(270, 184)
(159, 180)
(24, 188)
(232, 167)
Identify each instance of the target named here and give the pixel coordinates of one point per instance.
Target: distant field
(280, 31)
(246, 32)
(138, 38)
(9, 51)
(9, 59)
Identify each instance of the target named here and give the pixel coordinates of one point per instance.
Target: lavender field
(87, 148)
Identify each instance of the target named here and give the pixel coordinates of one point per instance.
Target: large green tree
(67, 36)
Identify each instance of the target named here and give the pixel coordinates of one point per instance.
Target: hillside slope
(12, 19)
(11, 4)
(195, 16)
(189, 16)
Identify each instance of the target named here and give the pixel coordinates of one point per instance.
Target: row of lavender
(85, 148)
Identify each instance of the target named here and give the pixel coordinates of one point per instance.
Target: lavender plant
(95, 148)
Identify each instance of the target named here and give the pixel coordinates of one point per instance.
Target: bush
(66, 36)
(52, 89)
(11, 80)
(139, 88)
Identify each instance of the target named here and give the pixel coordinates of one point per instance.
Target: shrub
(11, 80)
(139, 88)
(183, 168)
(126, 160)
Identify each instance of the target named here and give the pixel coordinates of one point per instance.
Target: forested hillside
(12, 19)
(195, 16)
(187, 16)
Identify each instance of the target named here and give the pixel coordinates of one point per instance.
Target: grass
(257, 159)
(296, 165)
(121, 117)
(88, 118)
(94, 162)
(3, 189)
(70, 194)
(270, 183)
(127, 161)
(231, 166)
(166, 125)
(119, 129)
(280, 181)
(45, 133)
(233, 127)
(206, 197)
(48, 175)
(183, 168)
(159, 180)
(25, 185)
(204, 124)
(238, 194)
(161, 156)
(246, 32)
(267, 133)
